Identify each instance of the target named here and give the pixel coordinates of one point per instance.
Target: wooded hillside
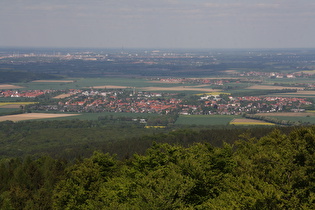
(275, 171)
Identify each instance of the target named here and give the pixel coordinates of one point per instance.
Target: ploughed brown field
(6, 86)
(53, 81)
(272, 87)
(288, 114)
(32, 116)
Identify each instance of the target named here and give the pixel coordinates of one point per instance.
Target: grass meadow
(79, 83)
(8, 110)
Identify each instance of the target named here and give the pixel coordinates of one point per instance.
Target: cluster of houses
(252, 104)
(115, 101)
(164, 103)
(273, 74)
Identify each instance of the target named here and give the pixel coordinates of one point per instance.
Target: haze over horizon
(158, 24)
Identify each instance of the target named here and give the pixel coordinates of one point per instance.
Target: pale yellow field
(180, 88)
(272, 87)
(67, 81)
(15, 103)
(213, 93)
(14, 106)
(6, 86)
(231, 71)
(249, 122)
(32, 116)
(65, 95)
(288, 114)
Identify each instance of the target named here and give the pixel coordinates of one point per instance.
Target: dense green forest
(184, 169)
(70, 139)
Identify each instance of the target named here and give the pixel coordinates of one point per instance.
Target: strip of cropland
(32, 116)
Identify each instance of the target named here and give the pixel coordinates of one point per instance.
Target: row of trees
(276, 120)
(275, 171)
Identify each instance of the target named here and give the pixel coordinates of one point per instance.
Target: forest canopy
(275, 171)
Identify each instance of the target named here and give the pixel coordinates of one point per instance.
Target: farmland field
(44, 81)
(303, 119)
(301, 93)
(63, 96)
(84, 83)
(289, 80)
(180, 88)
(31, 116)
(272, 87)
(7, 110)
(138, 83)
(205, 119)
(14, 104)
(288, 114)
(7, 86)
(249, 122)
(110, 87)
(95, 116)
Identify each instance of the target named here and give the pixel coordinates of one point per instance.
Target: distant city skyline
(158, 24)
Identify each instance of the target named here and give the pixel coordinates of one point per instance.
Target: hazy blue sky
(158, 23)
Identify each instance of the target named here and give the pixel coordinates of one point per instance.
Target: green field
(89, 82)
(83, 83)
(289, 80)
(205, 119)
(8, 110)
